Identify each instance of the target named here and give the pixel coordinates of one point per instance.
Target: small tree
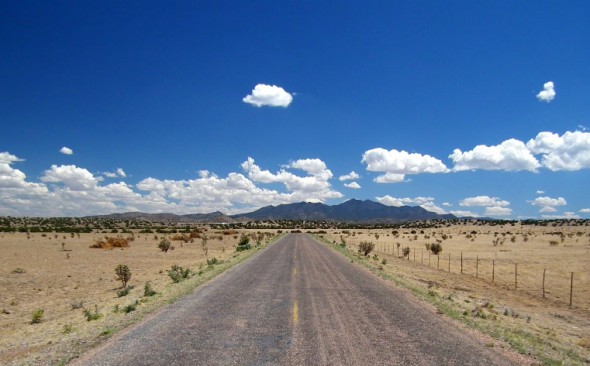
(164, 245)
(436, 248)
(123, 274)
(406, 251)
(366, 247)
(244, 243)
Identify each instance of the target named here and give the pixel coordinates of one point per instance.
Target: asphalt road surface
(297, 303)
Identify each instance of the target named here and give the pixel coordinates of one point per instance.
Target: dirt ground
(61, 275)
(515, 302)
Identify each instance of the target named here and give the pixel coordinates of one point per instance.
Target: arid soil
(61, 275)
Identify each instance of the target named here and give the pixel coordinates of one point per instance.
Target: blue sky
(467, 107)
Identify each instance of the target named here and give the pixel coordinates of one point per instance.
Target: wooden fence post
(544, 269)
(477, 266)
(571, 288)
(461, 262)
(437, 261)
(516, 276)
(449, 262)
(493, 270)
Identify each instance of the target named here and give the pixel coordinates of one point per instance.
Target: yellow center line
(295, 313)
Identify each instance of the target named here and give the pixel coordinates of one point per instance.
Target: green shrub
(244, 243)
(177, 273)
(124, 292)
(436, 248)
(92, 315)
(213, 261)
(67, 328)
(148, 290)
(130, 307)
(37, 316)
(123, 274)
(366, 247)
(164, 245)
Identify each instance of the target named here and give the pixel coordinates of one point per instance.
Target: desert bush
(384, 261)
(19, 270)
(554, 243)
(92, 315)
(37, 316)
(244, 243)
(130, 307)
(110, 242)
(123, 274)
(366, 247)
(164, 245)
(406, 251)
(148, 290)
(67, 328)
(177, 273)
(436, 248)
(124, 292)
(213, 261)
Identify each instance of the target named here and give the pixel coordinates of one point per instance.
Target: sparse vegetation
(164, 245)
(148, 290)
(177, 273)
(92, 315)
(37, 316)
(244, 243)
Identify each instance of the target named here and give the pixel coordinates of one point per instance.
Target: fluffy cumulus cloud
(73, 191)
(268, 95)
(497, 211)
(397, 164)
(353, 185)
(463, 213)
(426, 203)
(548, 204)
(350, 176)
(571, 151)
(548, 92)
(66, 151)
(483, 201)
(510, 155)
(585, 210)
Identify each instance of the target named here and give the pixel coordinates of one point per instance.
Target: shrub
(366, 247)
(244, 243)
(436, 248)
(406, 251)
(554, 243)
(164, 245)
(19, 270)
(130, 307)
(148, 290)
(384, 261)
(123, 274)
(124, 292)
(37, 316)
(213, 261)
(92, 315)
(177, 273)
(111, 242)
(67, 328)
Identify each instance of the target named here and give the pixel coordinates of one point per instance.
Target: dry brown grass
(64, 279)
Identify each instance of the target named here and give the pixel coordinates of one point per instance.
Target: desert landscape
(512, 307)
(60, 296)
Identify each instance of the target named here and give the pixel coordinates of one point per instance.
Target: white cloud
(353, 185)
(426, 203)
(540, 192)
(483, 201)
(396, 164)
(571, 151)
(119, 173)
(565, 215)
(548, 92)
(464, 213)
(585, 210)
(76, 179)
(447, 204)
(548, 204)
(66, 151)
(497, 211)
(350, 176)
(390, 178)
(268, 95)
(7, 158)
(510, 155)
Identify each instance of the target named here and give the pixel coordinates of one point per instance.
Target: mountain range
(350, 211)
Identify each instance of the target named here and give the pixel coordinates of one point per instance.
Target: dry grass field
(549, 326)
(61, 275)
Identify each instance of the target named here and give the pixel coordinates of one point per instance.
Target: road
(297, 303)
